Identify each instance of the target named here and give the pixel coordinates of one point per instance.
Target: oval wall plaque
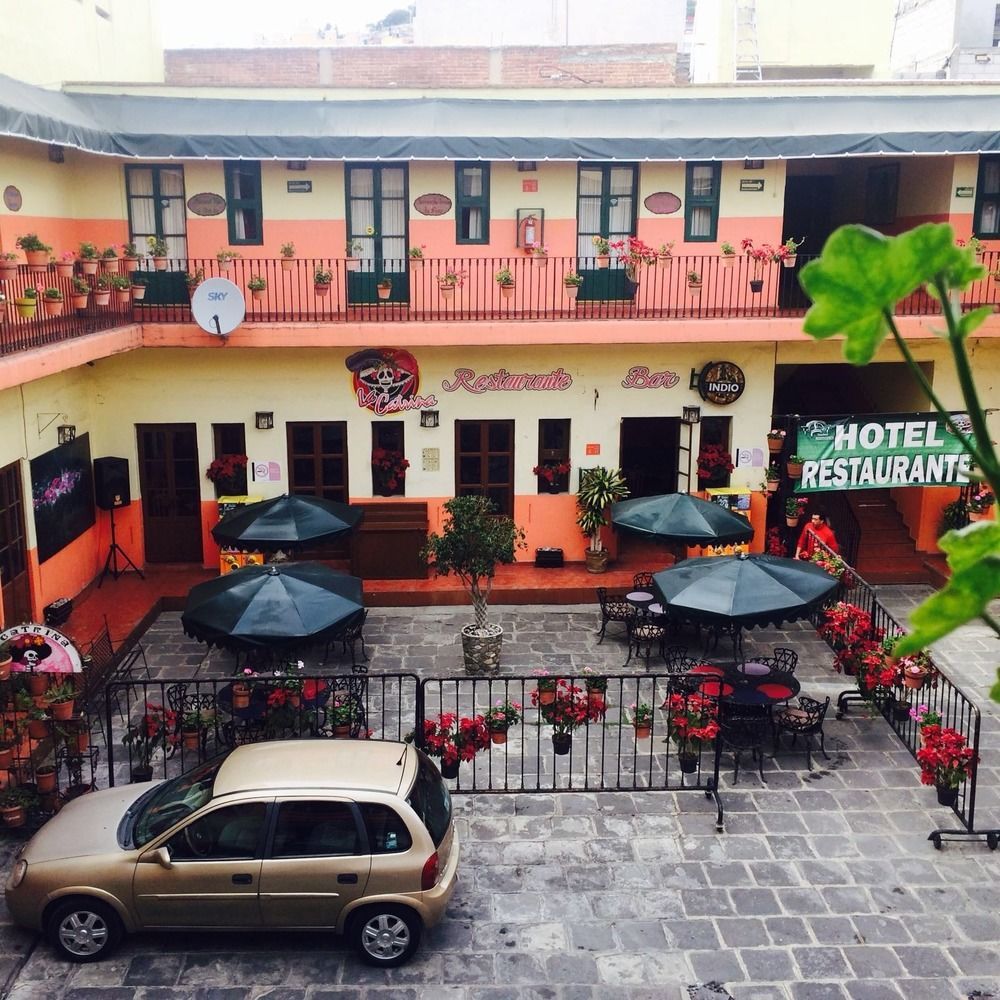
(207, 203)
(432, 204)
(662, 203)
(12, 198)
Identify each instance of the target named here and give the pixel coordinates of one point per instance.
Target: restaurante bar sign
(505, 381)
(899, 449)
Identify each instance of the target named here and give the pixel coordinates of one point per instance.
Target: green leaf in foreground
(974, 558)
(862, 274)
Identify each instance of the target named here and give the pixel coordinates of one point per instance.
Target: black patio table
(731, 686)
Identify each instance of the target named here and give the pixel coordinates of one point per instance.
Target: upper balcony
(447, 290)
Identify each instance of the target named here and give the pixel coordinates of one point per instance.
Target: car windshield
(169, 803)
(430, 800)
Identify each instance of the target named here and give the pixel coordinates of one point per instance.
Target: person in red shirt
(816, 527)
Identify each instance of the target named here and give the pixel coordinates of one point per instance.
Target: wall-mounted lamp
(264, 421)
(429, 418)
(56, 153)
(66, 433)
(690, 414)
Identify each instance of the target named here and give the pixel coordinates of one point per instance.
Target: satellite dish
(218, 306)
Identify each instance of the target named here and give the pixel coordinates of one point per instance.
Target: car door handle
(348, 879)
(243, 880)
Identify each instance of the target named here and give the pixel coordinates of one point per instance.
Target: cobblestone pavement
(824, 886)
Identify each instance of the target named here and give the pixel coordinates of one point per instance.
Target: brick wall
(372, 66)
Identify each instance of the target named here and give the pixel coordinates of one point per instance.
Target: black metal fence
(939, 694)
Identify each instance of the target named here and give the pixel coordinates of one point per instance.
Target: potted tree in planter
(505, 279)
(287, 251)
(599, 487)
(473, 541)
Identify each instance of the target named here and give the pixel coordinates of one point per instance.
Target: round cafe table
(753, 669)
(736, 688)
(640, 599)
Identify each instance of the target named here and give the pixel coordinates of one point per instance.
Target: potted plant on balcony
(27, 303)
(60, 699)
(193, 279)
(448, 281)
(35, 251)
(383, 288)
(257, 286)
(138, 285)
(553, 477)
(52, 301)
(539, 254)
(691, 724)
(453, 740)
(130, 258)
(664, 254)
(758, 257)
(388, 470)
(8, 266)
(501, 717)
(473, 541)
(602, 251)
(599, 487)
(90, 258)
(287, 251)
(641, 717)
(158, 251)
(64, 266)
(225, 259)
(634, 254)
(121, 287)
(109, 259)
(945, 760)
(81, 292)
(694, 283)
(153, 731)
(728, 253)
(570, 708)
(353, 249)
(788, 251)
(322, 279)
(571, 284)
(505, 279)
(793, 466)
(416, 255)
(102, 290)
(794, 506)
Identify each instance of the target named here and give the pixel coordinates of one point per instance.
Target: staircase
(886, 552)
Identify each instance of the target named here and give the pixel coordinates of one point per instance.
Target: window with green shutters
(243, 203)
(472, 203)
(701, 202)
(986, 223)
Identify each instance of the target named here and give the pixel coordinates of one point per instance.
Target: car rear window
(430, 800)
(387, 832)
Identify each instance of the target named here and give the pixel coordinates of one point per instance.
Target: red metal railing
(452, 288)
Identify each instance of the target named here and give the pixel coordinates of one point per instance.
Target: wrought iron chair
(349, 636)
(181, 702)
(785, 659)
(677, 660)
(642, 635)
(743, 729)
(614, 608)
(642, 581)
(804, 720)
(731, 630)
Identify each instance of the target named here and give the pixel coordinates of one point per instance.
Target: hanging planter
(688, 762)
(64, 269)
(946, 796)
(353, 264)
(561, 743)
(756, 285)
(384, 289)
(603, 260)
(793, 466)
(571, 284)
(447, 290)
(507, 291)
(138, 292)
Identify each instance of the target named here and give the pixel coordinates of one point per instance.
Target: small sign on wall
(752, 184)
(299, 187)
(965, 192)
(266, 472)
(593, 449)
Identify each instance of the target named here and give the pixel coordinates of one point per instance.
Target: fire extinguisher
(529, 231)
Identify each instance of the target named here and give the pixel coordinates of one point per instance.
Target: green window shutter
(472, 203)
(244, 212)
(701, 202)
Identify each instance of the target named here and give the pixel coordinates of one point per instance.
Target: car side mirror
(159, 856)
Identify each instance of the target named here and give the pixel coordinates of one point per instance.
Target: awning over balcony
(454, 128)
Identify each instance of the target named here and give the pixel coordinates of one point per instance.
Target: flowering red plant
(849, 629)
(454, 739)
(712, 459)
(549, 470)
(389, 465)
(945, 758)
(633, 251)
(691, 720)
(572, 707)
(775, 546)
(227, 468)
(157, 727)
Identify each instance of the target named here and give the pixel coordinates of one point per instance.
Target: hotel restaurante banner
(879, 450)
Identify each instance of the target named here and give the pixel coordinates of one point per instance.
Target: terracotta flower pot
(159, 263)
(257, 294)
(287, 263)
(791, 521)
(342, 731)
(5, 668)
(794, 469)
(80, 301)
(603, 260)
(45, 778)
(138, 292)
(64, 269)
(571, 291)
(130, 264)
(52, 307)
(6, 758)
(914, 678)
(102, 296)
(728, 259)
(507, 291)
(241, 696)
(546, 696)
(88, 266)
(774, 445)
(38, 683)
(38, 260)
(642, 731)
(8, 270)
(38, 729)
(498, 736)
(123, 296)
(756, 285)
(12, 815)
(191, 738)
(447, 291)
(321, 289)
(110, 264)
(383, 291)
(62, 710)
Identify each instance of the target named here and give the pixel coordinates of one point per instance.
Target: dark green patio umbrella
(271, 607)
(678, 517)
(286, 521)
(745, 590)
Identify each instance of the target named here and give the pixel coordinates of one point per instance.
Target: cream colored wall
(48, 42)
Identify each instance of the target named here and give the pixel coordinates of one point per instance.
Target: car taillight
(429, 875)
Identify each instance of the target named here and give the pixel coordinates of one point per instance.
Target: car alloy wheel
(84, 931)
(386, 935)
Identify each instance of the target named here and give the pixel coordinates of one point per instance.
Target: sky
(201, 24)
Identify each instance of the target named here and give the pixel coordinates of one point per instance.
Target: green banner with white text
(881, 450)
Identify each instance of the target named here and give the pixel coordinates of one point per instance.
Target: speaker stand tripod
(114, 551)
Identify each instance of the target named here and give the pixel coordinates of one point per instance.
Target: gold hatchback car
(352, 835)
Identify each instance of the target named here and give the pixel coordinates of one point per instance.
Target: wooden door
(377, 202)
(484, 461)
(16, 593)
(170, 483)
(649, 455)
(317, 466)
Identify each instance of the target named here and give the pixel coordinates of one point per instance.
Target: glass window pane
(362, 182)
(499, 437)
(333, 471)
(393, 182)
(499, 469)
(472, 181)
(590, 182)
(315, 829)
(302, 439)
(701, 220)
(470, 469)
(988, 217)
(331, 438)
(702, 176)
(621, 181)
(468, 436)
(991, 177)
(304, 472)
(172, 182)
